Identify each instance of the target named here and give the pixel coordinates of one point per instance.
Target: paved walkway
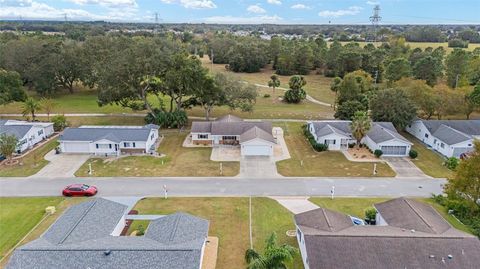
(62, 165)
(258, 167)
(309, 98)
(404, 167)
(296, 205)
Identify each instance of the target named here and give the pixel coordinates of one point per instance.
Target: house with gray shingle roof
(28, 133)
(254, 137)
(408, 234)
(87, 235)
(451, 138)
(337, 135)
(110, 140)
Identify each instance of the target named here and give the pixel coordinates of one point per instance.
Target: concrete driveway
(404, 167)
(62, 165)
(258, 167)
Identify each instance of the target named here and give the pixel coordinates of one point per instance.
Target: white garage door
(76, 147)
(394, 150)
(257, 150)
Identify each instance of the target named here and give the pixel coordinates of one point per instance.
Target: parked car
(2, 158)
(79, 190)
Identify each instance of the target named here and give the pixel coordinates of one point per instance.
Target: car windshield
(85, 187)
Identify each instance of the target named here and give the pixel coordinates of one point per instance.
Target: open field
(30, 164)
(327, 163)
(104, 120)
(356, 207)
(179, 161)
(430, 162)
(229, 221)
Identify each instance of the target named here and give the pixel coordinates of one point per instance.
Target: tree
(393, 105)
(457, 64)
(466, 181)
(274, 82)
(30, 106)
(347, 110)
(360, 125)
(274, 256)
(296, 93)
(59, 123)
(72, 66)
(8, 145)
(48, 105)
(398, 69)
(422, 95)
(11, 89)
(355, 86)
(429, 69)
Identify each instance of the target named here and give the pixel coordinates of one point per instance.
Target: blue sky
(247, 11)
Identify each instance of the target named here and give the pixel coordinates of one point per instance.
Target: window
(442, 145)
(151, 137)
(426, 135)
(469, 145)
(330, 141)
(110, 146)
(133, 144)
(229, 137)
(97, 146)
(40, 132)
(126, 144)
(103, 146)
(203, 136)
(22, 142)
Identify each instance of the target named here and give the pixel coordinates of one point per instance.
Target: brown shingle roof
(323, 219)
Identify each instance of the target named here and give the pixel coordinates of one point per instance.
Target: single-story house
(87, 235)
(451, 138)
(254, 137)
(28, 133)
(110, 140)
(411, 235)
(337, 135)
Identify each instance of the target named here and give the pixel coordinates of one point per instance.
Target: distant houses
(110, 140)
(383, 136)
(409, 234)
(87, 235)
(28, 133)
(451, 138)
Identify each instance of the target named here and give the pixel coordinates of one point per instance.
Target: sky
(246, 11)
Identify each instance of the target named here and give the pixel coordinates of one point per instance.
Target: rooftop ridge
(327, 220)
(78, 221)
(419, 215)
(175, 227)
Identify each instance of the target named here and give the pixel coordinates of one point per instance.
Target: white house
(254, 137)
(338, 135)
(28, 133)
(110, 140)
(451, 138)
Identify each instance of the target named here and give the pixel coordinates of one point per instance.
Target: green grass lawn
(328, 163)
(356, 207)
(18, 216)
(179, 161)
(430, 162)
(229, 221)
(30, 164)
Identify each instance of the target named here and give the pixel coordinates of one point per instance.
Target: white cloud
(274, 2)
(256, 9)
(107, 3)
(243, 20)
(353, 10)
(373, 3)
(15, 3)
(196, 4)
(300, 6)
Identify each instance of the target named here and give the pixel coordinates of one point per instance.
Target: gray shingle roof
(19, 131)
(256, 132)
(112, 134)
(323, 219)
(449, 135)
(82, 235)
(469, 127)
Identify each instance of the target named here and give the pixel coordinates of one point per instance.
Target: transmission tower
(156, 18)
(375, 19)
(65, 17)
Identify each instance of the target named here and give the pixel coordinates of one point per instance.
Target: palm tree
(274, 82)
(48, 105)
(274, 256)
(360, 125)
(30, 106)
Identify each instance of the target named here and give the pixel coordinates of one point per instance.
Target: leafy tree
(360, 125)
(474, 70)
(30, 106)
(48, 105)
(11, 89)
(475, 96)
(274, 256)
(247, 56)
(393, 105)
(296, 93)
(422, 95)
(349, 60)
(429, 69)
(347, 110)
(237, 94)
(274, 82)
(303, 59)
(457, 64)
(72, 66)
(275, 49)
(450, 102)
(8, 145)
(59, 123)
(355, 86)
(398, 69)
(335, 87)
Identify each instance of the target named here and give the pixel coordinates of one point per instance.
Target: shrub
(330, 73)
(59, 122)
(140, 230)
(175, 119)
(378, 153)
(457, 43)
(316, 146)
(266, 95)
(451, 163)
(295, 96)
(370, 213)
(413, 154)
(351, 145)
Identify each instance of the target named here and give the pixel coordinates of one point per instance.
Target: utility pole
(211, 58)
(456, 80)
(375, 19)
(66, 17)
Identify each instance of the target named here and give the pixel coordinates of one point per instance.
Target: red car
(79, 190)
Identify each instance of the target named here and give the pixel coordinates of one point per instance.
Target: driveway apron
(62, 165)
(258, 167)
(404, 167)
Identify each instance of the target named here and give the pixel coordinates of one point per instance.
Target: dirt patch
(361, 154)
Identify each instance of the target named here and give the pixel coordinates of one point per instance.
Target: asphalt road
(224, 187)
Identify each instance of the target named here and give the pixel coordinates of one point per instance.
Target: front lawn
(30, 164)
(229, 221)
(430, 162)
(322, 164)
(179, 161)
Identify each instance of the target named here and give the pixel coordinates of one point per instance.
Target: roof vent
(443, 259)
(450, 256)
(463, 251)
(412, 230)
(107, 252)
(432, 256)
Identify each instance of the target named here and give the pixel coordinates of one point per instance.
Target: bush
(378, 153)
(451, 163)
(457, 43)
(59, 123)
(351, 145)
(295, 96)
(140, 230)
(413, 154)
(330, 73)
(370, 213)
(266, 95)
(316, 146)
(175, 119)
